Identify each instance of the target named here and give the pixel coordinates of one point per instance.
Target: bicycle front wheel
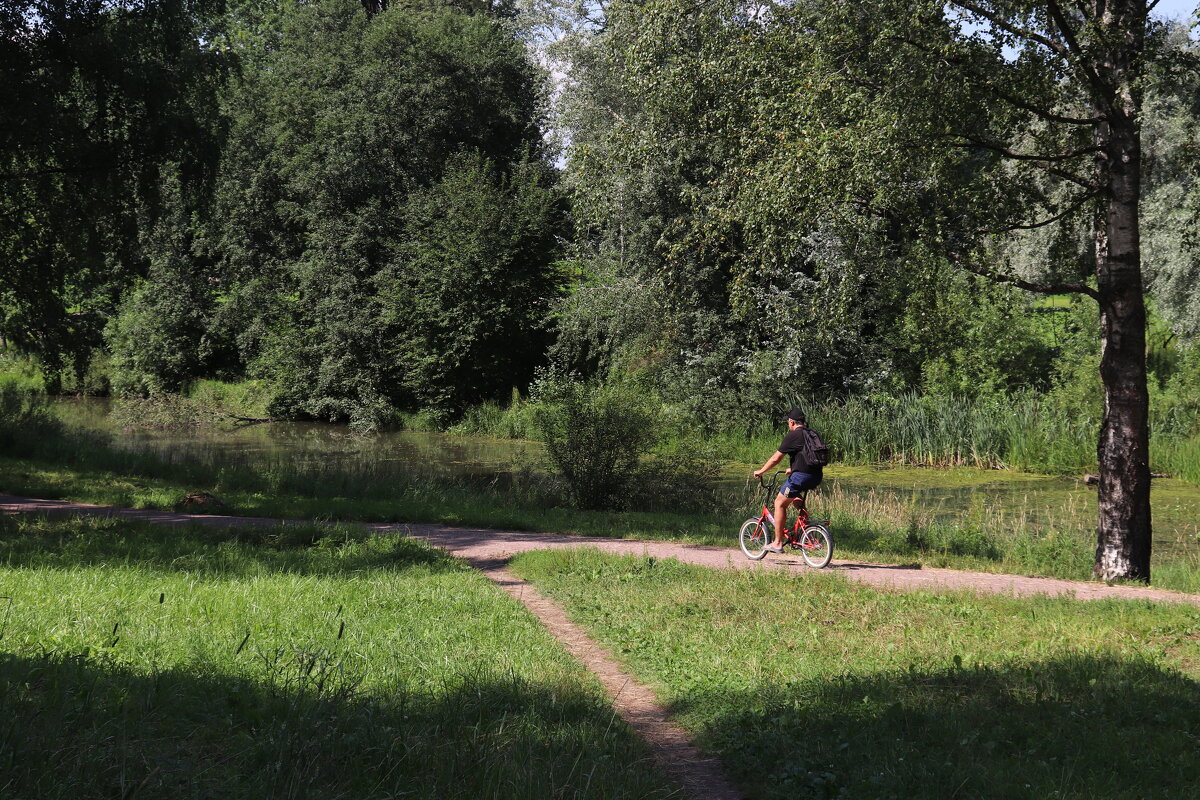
(816, 545)
(754, 538)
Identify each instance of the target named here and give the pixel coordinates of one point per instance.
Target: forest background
(449, 214)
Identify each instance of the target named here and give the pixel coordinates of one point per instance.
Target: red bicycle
(810, 537)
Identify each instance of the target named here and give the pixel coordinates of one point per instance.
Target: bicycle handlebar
(763, 483)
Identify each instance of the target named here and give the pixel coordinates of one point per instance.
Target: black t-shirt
(792, 445)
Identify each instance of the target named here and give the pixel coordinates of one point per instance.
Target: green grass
(301, 662)
(818, 687)
(88, 467)
(19, 374)
(246, 398)
(873, 527)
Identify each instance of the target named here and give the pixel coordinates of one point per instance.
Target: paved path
(701, 777)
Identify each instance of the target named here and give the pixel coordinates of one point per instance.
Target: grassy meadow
(299, 662)
(819, 687)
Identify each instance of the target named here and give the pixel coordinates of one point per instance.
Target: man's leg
(781, 507)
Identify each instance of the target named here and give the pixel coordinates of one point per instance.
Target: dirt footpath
(486, 545)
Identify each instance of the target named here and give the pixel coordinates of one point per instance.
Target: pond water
(308, 443)
(1008, 499)
(1016, 500)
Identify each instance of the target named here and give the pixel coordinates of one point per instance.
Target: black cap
(797, 414)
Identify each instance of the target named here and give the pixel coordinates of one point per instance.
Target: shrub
(596, 437)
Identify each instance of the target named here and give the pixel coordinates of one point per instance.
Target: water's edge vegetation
(40, 456)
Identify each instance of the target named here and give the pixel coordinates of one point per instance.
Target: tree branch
(1101, 89)
(1049, 116)
(1029, 286)
(1015, 30)
(1046, 167)
(1029, 156)
(1075, 206)
(1013, 100)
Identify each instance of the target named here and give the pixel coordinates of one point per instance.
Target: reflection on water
(309, 444)
(1008, 500)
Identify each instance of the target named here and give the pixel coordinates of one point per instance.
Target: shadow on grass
(306, 549)
(75, 727)
(1079, 726)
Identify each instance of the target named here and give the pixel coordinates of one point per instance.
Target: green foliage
(1170, 218)
(385, 224)
(965, 336)
(466, 294)
(596, 437)
(102, 97)
(243, 398)
(158, 338)
(19, 374)
(726, 252)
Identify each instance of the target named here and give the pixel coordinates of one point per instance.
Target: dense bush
(596, 437)
(611, 445)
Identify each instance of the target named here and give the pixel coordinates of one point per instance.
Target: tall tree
(96, 97)
(944, 131)
(347, 280)
(1057, 91)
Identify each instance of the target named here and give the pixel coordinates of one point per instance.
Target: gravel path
(488, 550)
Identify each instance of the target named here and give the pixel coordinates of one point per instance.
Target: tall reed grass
(1027, 433)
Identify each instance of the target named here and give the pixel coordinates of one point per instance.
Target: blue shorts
(798, 483)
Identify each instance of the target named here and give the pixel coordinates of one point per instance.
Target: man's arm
(771, 462)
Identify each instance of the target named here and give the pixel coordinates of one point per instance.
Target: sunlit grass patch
(817, 686)
(301, 661)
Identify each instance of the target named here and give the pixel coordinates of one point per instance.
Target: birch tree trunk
(1123, 451)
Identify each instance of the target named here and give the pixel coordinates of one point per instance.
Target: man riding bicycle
(801, 476)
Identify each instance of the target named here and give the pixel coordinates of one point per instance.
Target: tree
(96, 95)
(1171, 200)
(942, 131)
(344, 282)
(727, 312)
(468, 291)
(1062, 126)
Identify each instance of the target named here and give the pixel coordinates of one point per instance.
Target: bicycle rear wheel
(754, 537)
(816, 546)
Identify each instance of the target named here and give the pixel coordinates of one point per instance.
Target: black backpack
(814, 451)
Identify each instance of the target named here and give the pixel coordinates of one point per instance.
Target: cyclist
(801, 476)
